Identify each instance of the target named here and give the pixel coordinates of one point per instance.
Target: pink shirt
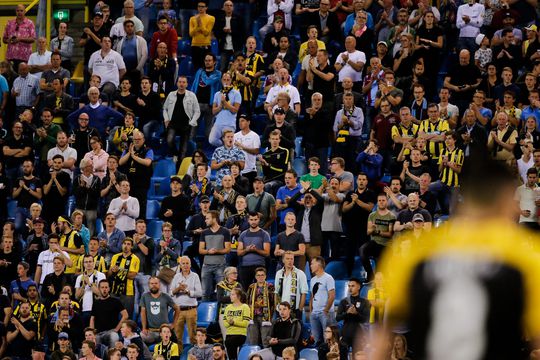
(20, 50)
(99, 161)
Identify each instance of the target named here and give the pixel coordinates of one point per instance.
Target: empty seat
(164, 168)
(247, 350)
(337, 269)
(341, 291)
(153, 229)
(206, 313)
(309, 354)
(186, 66)
(152, 209)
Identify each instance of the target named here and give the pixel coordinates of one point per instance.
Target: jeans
(444, 194)
(258, 331)
(141, 285)
(211, 274)
(371, 249)
(217, 132)
(109, 89)
(107, 338)
(207, 117)
(153, 126)
(90, 217)
(246, 275)
(185, 136)
(319, 321)
(147, 14)
(468, 43)
(183, 19)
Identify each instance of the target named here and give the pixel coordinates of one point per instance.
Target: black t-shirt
(289, 242)
(179, 118)
(25, 199)
(20, 347)
(148, 112)
(431, 201)
(406, 215)
(129, 101)
(105, 313)
(203, 91)
(21, 143)
(310, 4)
(91, 45)
(326, 88)
(278, 162)
(429, 54)
(180, 207)
(357, 216)
(464, 75)
(410, 184)
(9, 272)
(54, 199)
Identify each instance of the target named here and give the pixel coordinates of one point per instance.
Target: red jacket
(170, 38)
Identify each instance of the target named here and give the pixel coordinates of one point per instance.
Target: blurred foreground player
(469, 290)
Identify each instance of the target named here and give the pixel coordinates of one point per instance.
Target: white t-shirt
(451, 109)
(107, 67)
(347, 70)
(527, 197)
(37, 59)
(67, 153)
(289, 89)
(45, 260)
(88, 297)
(139, 26)
(250, 140)
(523, 167)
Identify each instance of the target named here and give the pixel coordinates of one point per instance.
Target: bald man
(19, 35)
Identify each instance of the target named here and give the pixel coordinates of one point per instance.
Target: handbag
(166, 274)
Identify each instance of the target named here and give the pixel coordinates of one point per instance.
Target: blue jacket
(214, 81)
(101, 118)
(370, 164)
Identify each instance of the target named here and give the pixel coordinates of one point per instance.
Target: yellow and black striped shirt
(448, 176)
(439, 127)
(39, 314)
(245, 90)
(99, 262)
(169, 351)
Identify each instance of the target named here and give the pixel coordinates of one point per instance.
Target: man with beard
(124, 268)
(86, 286)
(110, 185)
(105, 311)
(253, 249)
(71, 242)
(154, 307)
(79, 138)
(37, 310)
(56, 190)
(21, 333)
(27, 190)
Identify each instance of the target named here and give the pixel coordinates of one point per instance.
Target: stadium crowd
(229, 172)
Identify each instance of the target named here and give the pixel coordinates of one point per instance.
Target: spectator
(434, 131)
(260, 295)
(21, 333)
(36, 242)
(45, 262)
(253, 248)
(469, 20)
(16, 149)
(71, 242)
(134, 51)
(26, 190)
(54, 282)
(166, 35)
(100, 350)
(205, 85)
(65, 332)
(154, 311)
(68, 153)
(463, 79)
(321, 302)
(129, 14)
(225, 106)
(137, 162)
(40, 60)
(242, 80)
(291, 285)
(227, 31)
(169, 250)
(86, 286)
(326, 20)
(166, 347)
(19, 35)
(317, 124)
(124, 268)
(249, 142)
(282, 86)
(63, 44)
(125, 208)
(91, 40)
(275, 162)
(86, 188)
(109, 65)
(502, 139)
(58, 101)
(110, 184)
(404, 219)
(200, 31)
(332, 347)
(182, 121)
(98, 157)
(88, 349)
(25, 90)
(224, 289)
(353, 310)
(350, 64)
(214, 244)
(186, 288)
(10, 259)
(105, 311)
(201, 350)
(236, 318)
(161, 71)
(370, 162)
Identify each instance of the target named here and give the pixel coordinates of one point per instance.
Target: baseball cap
(176, 178)
(507, 14)
(382, 43)
(204, 198)
(62, 219)
(38, 220)
(418, 217)
(479, 39)
(98, 13)
(279, 111)
(531, 28)
(63, 335)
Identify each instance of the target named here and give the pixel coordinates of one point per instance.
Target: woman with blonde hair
(405, 57)
(399, 349)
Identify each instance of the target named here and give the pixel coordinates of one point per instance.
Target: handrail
(32, 4)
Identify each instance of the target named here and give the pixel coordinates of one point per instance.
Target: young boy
(201, 350)
(316, 179)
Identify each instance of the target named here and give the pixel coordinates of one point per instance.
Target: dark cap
(279, 111)
(258, 178)
(244, 116)
(204, 199)
(508, 14)
(38, 221)
(99, 14)
(278, 19)
(176, 178)
(418, 217)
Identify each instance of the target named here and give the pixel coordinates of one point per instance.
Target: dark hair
(254, 213)
(286, 304)
(532, 171)
(91, 344)
(58, 156)
(88, 328)
(129, 21)
(314, 159)
(292, 172)
(506, 31)
(320, 260)
(218, 345)
(356, 280)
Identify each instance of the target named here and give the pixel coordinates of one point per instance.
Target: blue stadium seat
(185, 352)
(337, 269)
(299, 165)
(153, 229)
(99, 226)
(152, 209)
(184, 47)
(185, 245)
(309, 354)
(206, 313)
(186, 66)
(164, 168)
(214, 47)
(159, 188)
(341, 291)
(298, 149)
(247, 350)
(12, 209)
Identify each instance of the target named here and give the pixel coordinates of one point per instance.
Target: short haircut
(314, 159)
(58, 156)
(320, 260)
(91, 344)
(88, 328)
(286, 304)
(201, 330)
(532, 171)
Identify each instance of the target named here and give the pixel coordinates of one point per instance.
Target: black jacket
(287, 332)
(66, 105)
(87, 198)
(315, 216)
(236, 32)
(478, 145)
(288, 135)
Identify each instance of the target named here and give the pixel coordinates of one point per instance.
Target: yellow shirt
(121, 285)
(72, 240)
(303, 49)
(465, 275)
(376, 313)
(241, 315)
(168, 351)
(99, 264)
(201, 35)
